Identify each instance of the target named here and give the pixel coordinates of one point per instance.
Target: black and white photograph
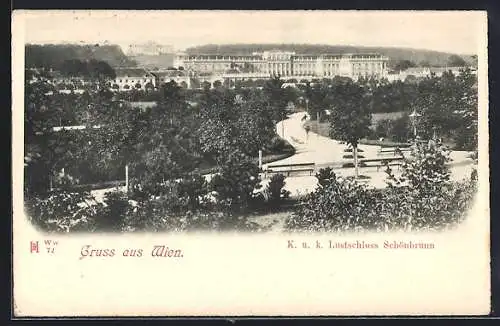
(174, 133)
(257, 123)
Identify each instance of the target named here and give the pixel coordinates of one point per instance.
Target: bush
(236, 181)
(155, 215)
(112, 215)
(351, 156)
(339, 205)
(349, 150)
(278, 145)
(64, 211)
(401, 129)
(325, 176)
(424, 198)
(383, 128)
(351, 165)
(409, 209)
(426, 171)
(194, 187)
(275, 189)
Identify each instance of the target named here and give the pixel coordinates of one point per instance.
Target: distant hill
(418, 56)
(53, 55)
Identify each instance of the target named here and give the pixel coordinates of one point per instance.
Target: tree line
(446, 106)
(52, 56)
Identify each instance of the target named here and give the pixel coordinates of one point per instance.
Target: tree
(474, 61)
(424, 63)
(275, 190)
(205, 85)
(74, 68)
(424, 197)
(254, 126)
(217, 84)
(63, 211)
(456, 61)
(248, 67)
(44, 150)
(351, 117)
(466, 110)
(100, 70)
(402, 65)
(236, 181)
(338, 204)
(149, 87)
(195, 83)
(276, 98)
(325, 176)
(437, 101)
(401, 128)
(318, 100)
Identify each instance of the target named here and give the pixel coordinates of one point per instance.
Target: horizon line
(123, 48)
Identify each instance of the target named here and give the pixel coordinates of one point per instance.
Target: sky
(448, 31)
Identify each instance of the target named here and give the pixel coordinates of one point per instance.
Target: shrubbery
(155, 216)
(275, 190)
(325, 176)
(236, 181)
(73, 212)
(423, 198)
(338, 205)
(183, 204)
(111, 216)
(398, 130)
(64, 211)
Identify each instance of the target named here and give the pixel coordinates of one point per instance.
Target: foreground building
(163, 76)
(130, 78)
(143, 78)
(287, 64)
(424, 72)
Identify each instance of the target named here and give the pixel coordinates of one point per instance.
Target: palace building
(287, 64)
(149, 48)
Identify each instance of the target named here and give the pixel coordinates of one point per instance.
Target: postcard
(250, 163)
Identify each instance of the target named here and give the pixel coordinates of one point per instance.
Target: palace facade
(149, 48)
(287, 64)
